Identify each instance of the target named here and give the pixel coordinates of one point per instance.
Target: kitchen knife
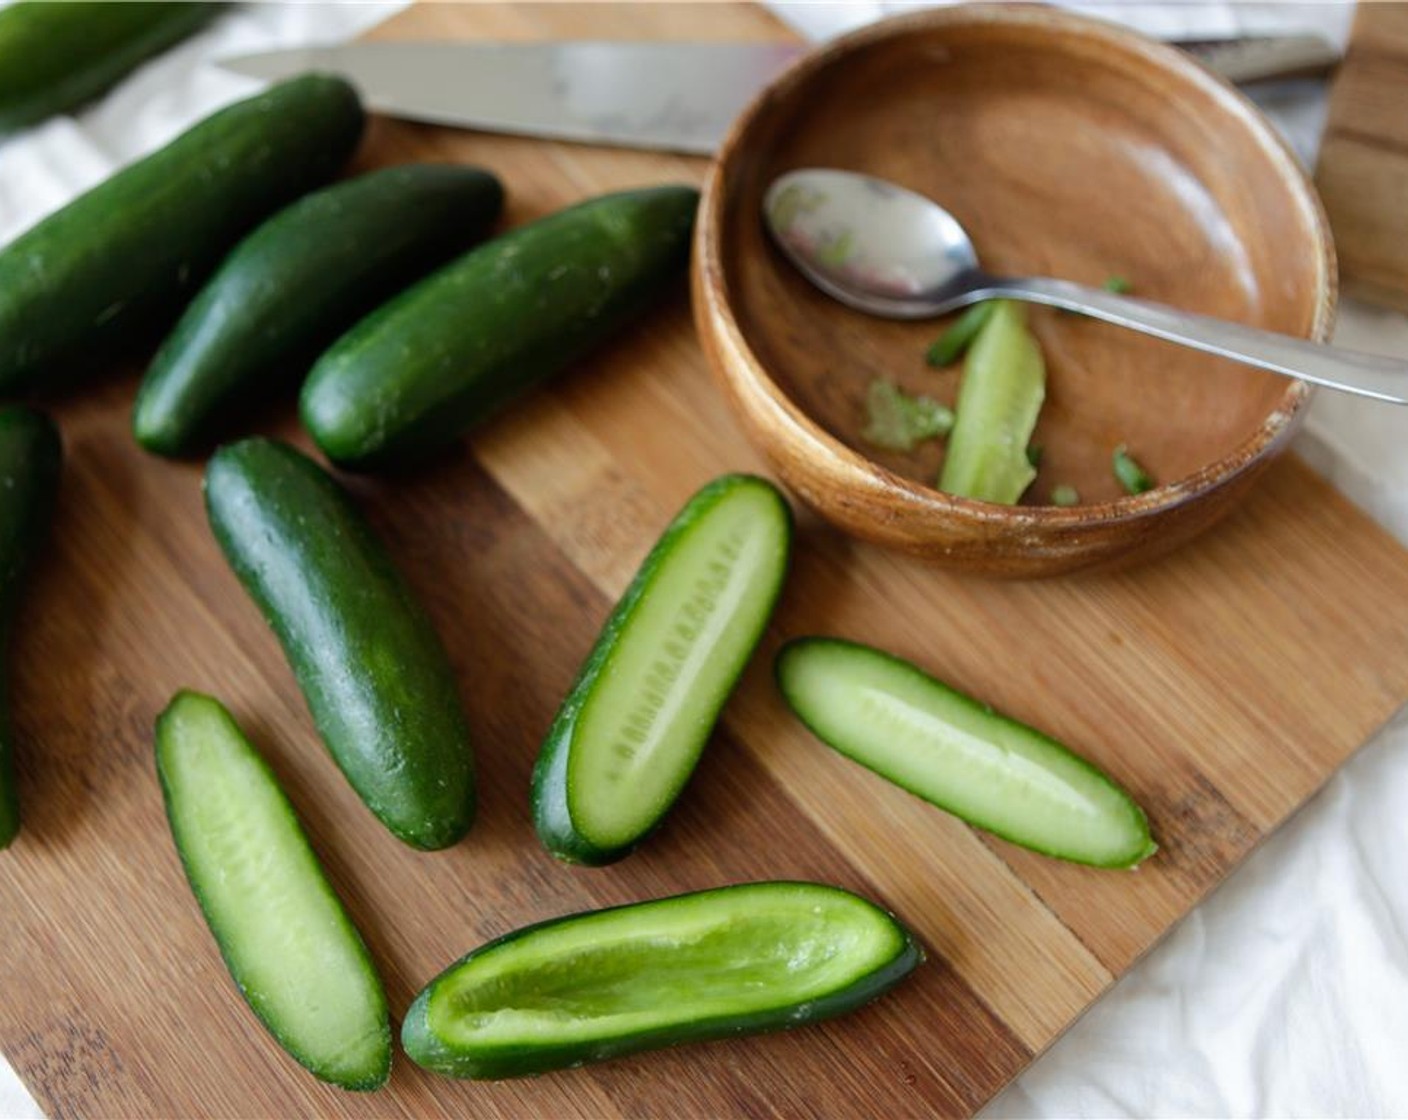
(678, 97)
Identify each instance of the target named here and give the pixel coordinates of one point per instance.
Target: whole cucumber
(102, 269)
(30, 456)
(446, 354)
(299, 280)
(370, 665)
(54, 57)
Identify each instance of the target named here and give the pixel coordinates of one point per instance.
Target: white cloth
(1286, 993)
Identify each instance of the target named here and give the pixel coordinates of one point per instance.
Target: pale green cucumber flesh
(289, 944)
(999, 400)
(751, 957)
(673, 662)
(994, 772)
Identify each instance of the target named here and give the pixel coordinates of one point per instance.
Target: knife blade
(677, 97)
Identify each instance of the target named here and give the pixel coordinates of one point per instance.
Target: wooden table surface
(1222, 686)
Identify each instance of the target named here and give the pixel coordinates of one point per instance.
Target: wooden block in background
(1363, 169)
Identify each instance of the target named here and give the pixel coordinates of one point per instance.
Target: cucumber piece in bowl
(712, 964)
(632, 728)
(288, 943)
(958, 754)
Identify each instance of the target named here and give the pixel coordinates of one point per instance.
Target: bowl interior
(1064, 152)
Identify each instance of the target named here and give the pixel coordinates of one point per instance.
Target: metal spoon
(891, 252)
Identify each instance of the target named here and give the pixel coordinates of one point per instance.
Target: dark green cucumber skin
(30, 460)
(119, 259)
(55, 57)
(798, 646)
(450, 352)
(427, 1050)
(297, 282)
(552, 815)
(371, 667)
(193, 878)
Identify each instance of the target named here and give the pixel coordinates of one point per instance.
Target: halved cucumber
(631, 730)
(285, 937)
(960, 755)
(737, 960)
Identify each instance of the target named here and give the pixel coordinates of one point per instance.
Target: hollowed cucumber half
(713, 964)
(632, 728)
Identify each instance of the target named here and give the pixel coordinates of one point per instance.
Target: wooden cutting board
(1363, 169)
(1223, 686)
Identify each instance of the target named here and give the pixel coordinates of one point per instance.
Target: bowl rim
(844, 466)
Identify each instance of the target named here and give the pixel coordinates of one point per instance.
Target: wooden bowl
(1067, 147)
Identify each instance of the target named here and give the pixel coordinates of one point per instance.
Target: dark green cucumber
(958, 754)
(118, 259)
(629, 733)
(370, 665)
(713, 964)
(297, 282)
(448, 353)
(54, 57)
(288, 943)
(30, 457)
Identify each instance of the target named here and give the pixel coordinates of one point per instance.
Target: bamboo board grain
(1363, 168)
(1223, 686)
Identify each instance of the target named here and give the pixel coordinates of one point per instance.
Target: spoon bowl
(871, 244)
(1065, 147)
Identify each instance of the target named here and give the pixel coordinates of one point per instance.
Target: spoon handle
(1367, 375)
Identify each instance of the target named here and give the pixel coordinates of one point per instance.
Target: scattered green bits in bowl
(897, 421)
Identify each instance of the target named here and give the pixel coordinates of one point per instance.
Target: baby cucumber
(954, 752)
(370, 665)
(446, 354)
(714, 964)
(631, 730)
(30, 456)
(55, 57)
(299, 280)
(288, 943)
(999, 399)
(118, 259)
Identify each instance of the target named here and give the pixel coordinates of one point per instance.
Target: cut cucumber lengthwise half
(370, 665)
(994, 772)
(742, 959)
(30, 457)
(632, 728)
(288, 943)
